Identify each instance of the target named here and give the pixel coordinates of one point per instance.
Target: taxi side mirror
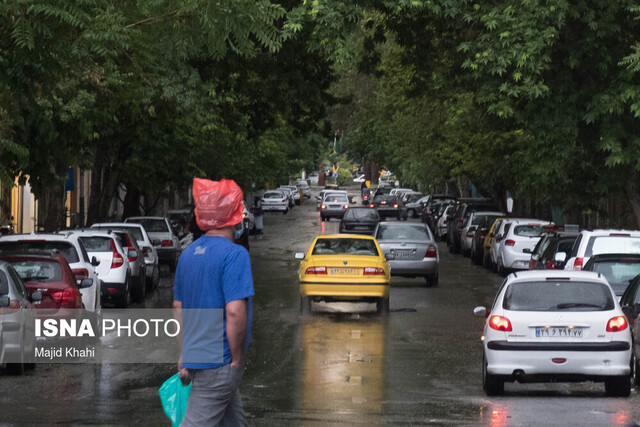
(299, 255)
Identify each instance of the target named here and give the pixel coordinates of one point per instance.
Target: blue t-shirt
(211, 272)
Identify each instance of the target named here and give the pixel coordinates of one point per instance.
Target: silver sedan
(410, 249)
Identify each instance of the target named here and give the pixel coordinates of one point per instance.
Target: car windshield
(273, 195)
(528, 230)
(137, 233)
(385, 198)
(340, 246)
(613, 244)
(403, 232)
(96, 243)
(66, 249)
(558, 295)
(152, 225)
(361, 214)
(38, 271)
(618, 272)
(414, 197)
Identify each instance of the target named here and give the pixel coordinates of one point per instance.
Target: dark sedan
(618, 269)
(359, 220)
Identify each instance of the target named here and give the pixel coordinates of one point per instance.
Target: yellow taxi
(488, 241)
(344, 267)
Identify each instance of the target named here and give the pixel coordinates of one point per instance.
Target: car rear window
(612, 244)
(402, 232)
(367, 214)
(38, 271)
(25, 246)
(339, 246)
(528, 230)
(96, 243)
(272, 195)
(336, 198)
(618, 272)
(558, 295)
(152, 225)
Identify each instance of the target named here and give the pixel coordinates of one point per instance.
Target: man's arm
(237, 330)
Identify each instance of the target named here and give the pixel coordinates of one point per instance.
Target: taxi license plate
(345, 271)
(559, 332)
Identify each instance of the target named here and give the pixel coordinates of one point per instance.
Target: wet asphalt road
(343, 365)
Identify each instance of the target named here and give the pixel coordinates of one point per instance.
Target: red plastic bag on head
(218, 203)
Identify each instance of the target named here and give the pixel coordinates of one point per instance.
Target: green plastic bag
(174, 397)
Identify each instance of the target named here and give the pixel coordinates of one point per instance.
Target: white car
(494, 250)
(303, 186)
(597, 242)
(547, 325)
(82, 266)
(320, 198)
(275, 200)
(292, 193)
(359, 179)
(471, 225)
(441, 226)
(152, 273)
(166, 242)
(313, 177)
(518, 242)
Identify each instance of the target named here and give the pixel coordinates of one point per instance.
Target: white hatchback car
(275, 200)
(597, 242)
(494, 250)
(518, 242)
(547, 325)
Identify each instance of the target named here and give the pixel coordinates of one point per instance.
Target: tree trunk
(633, 194)
(131, 202)
(51, 209)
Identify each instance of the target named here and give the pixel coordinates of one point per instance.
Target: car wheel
(382, 306)
(619, 386)
(141, 292)
(411, 213)
(432, 280)
(305, 305)
(125, 299)
(492, 385)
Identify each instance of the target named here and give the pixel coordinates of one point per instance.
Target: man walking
(215, 273)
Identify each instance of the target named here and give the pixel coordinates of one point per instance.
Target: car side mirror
(5, 301)
(36, 296)
(560, 257)
(390, 257)
(527, 251)
(299, 255)
(132, 254)
(95, 261)
(498, 237)
(85, 283)
(480, 311)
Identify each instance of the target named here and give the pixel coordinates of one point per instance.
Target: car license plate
(559, 332)
(360, 227)
(346, 271)
(404, 255)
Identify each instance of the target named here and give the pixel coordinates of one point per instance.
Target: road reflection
(343, 367)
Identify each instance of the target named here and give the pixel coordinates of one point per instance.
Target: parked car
(431, 212)
(470, 227)
(121, 281)
(596, 242)
(483, 229)
(320, 198)
(17, 304)
(630, 303)
(619, 269)
(555, 326)
(387, 205)
(411, 250)
(456, 220)
(500, 230)
(441, 228)
(179, 219)
(518, 243)
(411, 204)
(82, 266)
(359, 220)
(160, 230)
(146, 244)
(333, 206)
(275, 201)
(303, 186)
(344, 267)
(293, 194)
(544, 254)
(313, 178)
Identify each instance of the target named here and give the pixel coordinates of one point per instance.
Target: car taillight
(316, 270)
(384, 202)
(165, 243)
(80, 273)
(577, 265)
(365, 197)
(346, 206)
(551, 265)
(323, 207)
(469, 233)
(117, 259)
(617, 324)
(373, 271)
(69, 298)
(500, 323)
(371, 205)
(395, 206)
(431, 252)
(509, 242)
(283, 201)
(498, 240)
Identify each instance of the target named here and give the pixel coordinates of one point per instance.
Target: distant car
(293, 194)
(480, 235)
(619, 269)
(359, 179)
(17, 304)
(387, 205)
(67, 243)
(275, 201)
(333, 206)
(343, 267)
(320, 198)
(470, 227)
(145, 243)
(456, 220)
(313, 177)
(411, 250)
(160, 230)
(179, 219)
(555, 326)
(552, 243)
(518, 243)
(441, 228)
(594, 242)
(359, 220)
(413, 203)
(432, 210)
(303, 186)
